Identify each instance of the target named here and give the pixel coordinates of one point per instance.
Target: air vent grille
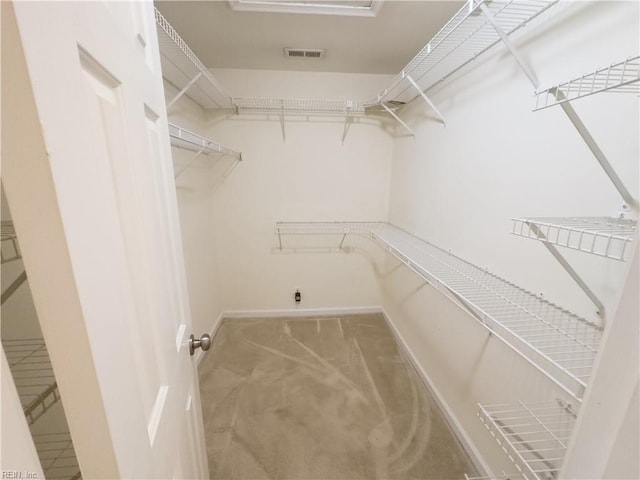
(304, 52)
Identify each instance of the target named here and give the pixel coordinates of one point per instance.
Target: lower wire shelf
(503, 476)
(33, 375)
(57, 456)
(534, 435)
(559, 343)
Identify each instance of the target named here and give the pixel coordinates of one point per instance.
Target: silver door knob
(204, 342)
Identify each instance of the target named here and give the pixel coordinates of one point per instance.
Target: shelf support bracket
(426, 99)
(13, 287)
(284, 139)
(569, 269)
(184, 90)
(390, 112)
(198, 153)
(512, 49)
(595, 149)
(346, 125)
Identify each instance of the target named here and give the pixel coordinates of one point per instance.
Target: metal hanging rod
(535, 436)
(620, 77)
(558, 343)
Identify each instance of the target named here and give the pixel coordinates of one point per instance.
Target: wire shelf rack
(298, 106)
(182, 138)
(33, 375)
(466, 36)
(503, 476)
(620, 77)
(57, 456)
(603, 236)
(9, 249)
(182, 68)
(560, 344)
(534, 436)
(320, 236)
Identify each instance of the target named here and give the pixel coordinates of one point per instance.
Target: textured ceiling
(223, 38)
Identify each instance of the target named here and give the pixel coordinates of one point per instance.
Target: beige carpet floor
(327, 398)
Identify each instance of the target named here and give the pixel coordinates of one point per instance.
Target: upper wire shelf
(560, 344)
(300, 106)
(603, 236)
(467, 35)
(57, 455)
(620, 77)
(534, 435)
(183, 68)
(9, 249)
(183, 138)
(33, 375)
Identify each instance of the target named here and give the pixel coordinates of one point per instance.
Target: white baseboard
(450, 417)
(301, 312)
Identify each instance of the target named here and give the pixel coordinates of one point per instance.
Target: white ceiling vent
(304, 52)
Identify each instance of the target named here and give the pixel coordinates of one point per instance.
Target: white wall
(228, 227)
(458, 186)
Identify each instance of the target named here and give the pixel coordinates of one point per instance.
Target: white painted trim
(450, 417)
(301, 312)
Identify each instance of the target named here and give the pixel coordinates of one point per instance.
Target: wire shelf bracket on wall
(558, 343)
(533, 435)
(33, 375)
(182, 68)
(182, 138)
(620, 77)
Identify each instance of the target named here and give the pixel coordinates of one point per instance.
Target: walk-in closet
(321, 240)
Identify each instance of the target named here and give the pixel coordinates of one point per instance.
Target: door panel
(106, 188)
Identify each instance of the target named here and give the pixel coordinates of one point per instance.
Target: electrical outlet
(297, 296)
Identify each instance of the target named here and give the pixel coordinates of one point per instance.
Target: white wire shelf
(466, 36)
(182, 138)
(503, 476)
(9, 249)
(558, 343)
(57, 456)
(534, 436)
(603, 236)
(182, 68)
(298, 106)
(33, 375)
(620, 77)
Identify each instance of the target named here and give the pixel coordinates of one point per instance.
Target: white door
(88, 176)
